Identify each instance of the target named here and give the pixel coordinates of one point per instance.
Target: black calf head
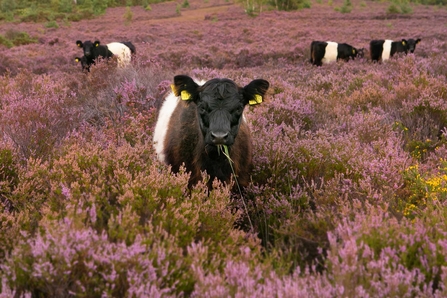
(410, 44)
(88, 47)
(360, 52)
(220, 103)
(84, 64)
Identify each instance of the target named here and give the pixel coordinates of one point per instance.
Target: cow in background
(123, 51)
(93, 51)
(384, 49)
(324, 52)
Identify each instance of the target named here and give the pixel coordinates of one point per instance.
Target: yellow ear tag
(403, 42)
(353, 51)
(185, 95)
(76, 59)
(256, 100)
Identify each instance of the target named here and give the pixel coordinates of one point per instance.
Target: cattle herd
(196, 120)
(321, 52)
(324, 52)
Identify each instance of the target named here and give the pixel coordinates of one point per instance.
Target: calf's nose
(219, 138)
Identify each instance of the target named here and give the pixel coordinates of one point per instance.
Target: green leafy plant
(392, 9)
(346, 7)
(52, 24)
(16, 38)
(224, 150)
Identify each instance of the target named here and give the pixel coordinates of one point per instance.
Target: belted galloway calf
(196, 121)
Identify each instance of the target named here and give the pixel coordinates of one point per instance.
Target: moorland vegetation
(349, 188)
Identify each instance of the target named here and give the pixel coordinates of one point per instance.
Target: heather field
(349, 187)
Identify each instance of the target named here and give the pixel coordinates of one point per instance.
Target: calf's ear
(185, 87)
(254, 92)
(418, 40)
(404, 42)
(79, 43)
(77, 59)
(97, 43)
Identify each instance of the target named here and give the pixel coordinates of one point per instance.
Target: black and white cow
(123, 51)
(84, 64)
(195, 118)
(384, 49)
(324, 52)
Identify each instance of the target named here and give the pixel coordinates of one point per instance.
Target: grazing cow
(384, 49)
(122, 50)
(194, 121)
(84, 63)
(324, 52)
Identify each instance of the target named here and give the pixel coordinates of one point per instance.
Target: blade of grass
(227, 155)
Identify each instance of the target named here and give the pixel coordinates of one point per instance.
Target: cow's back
(121, 51)
(331, 52)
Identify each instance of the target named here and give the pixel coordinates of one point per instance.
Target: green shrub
(16, 38)
(51, 24)
(99, 6)
(128, 15)
(65, 6)
(346, 7)
(290, 5)
(392, 8)
(6, 42)
(33, 13)
(7, 5)
(406, 8)
(9, 175)
(423, 190)
(81, 14)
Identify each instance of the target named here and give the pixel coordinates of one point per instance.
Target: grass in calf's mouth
(226, 153)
